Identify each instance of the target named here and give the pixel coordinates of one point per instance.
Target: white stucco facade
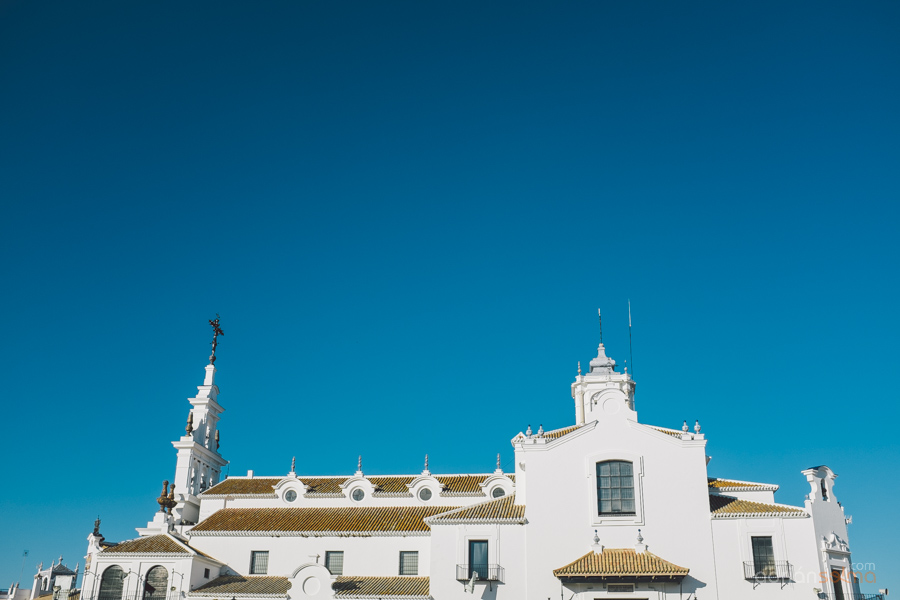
(606, 508)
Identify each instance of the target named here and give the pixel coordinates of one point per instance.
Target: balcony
(779, 570)
(849, 596)
(485, 572)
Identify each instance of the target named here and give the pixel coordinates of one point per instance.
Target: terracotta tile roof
(673, 432)
(723, 507)
(235, 486)
(454, 485)
(381, 587)
(241, 585)
(153, 544)
(499, 510)
(558, 433)
(462, 485)
(351, 519)
(621, 562)
(324, 485)
(391, 485)
(730, 484)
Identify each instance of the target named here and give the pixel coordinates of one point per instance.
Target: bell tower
(199, 463)
(602, 391)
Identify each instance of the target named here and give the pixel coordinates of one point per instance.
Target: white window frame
(637, 465)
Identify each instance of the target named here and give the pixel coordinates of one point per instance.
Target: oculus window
(615, 488)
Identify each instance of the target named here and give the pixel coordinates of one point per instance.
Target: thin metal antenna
(630, 352)
(600, 322)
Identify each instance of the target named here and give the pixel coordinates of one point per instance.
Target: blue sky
(407, 215)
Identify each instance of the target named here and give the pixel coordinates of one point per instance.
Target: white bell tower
(199, 464)
(603, 391)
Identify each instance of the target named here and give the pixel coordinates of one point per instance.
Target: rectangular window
(409, 563)
(259, 562)
(615, 488)
(334, 562)
(206, 573)
(837, 578)
(763, 556)
(478, 558)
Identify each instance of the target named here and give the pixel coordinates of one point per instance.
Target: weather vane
(217, 331)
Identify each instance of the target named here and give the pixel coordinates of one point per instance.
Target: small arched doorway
(111, 583)
(155, 583)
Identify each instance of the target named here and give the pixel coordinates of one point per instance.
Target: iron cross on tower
(217, 331)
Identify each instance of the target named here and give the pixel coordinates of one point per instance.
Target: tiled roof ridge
(620, 561)
(737, 484)
(729, 507)
(666, 430)
(465, 484)
(496, 510)
(161, 543)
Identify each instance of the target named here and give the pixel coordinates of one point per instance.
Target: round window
(290, 496)
(358, 494)
(498, 492)
(424, 494)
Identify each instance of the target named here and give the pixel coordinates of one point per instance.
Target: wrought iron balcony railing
(779, 570)
(484, 572)
(849, 596)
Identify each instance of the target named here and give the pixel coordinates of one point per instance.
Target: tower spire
(217, 331)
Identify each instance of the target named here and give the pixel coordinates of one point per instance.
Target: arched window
(615, 488)
(111, 583)
(155, 583)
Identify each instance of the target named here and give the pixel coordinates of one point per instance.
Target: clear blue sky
(407, 214)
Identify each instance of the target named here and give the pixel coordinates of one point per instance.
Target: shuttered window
(334, 562)
(409, 563)
(259, 562)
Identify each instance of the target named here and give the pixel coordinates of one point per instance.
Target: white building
(607, 508)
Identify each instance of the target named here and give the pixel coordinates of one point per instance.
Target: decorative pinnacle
(596, 537)
(170, 501)
(541, 431)
(697, 426)
(190, 424)
(684, 427)
(163, 497)
(600, 321)
(640, 538)
(97, 526)
(498, 460)
(579, 368)
(217, 440)
(528, 432)
(359, 464)
(217, 331)
(426, 462)
(293, 463)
